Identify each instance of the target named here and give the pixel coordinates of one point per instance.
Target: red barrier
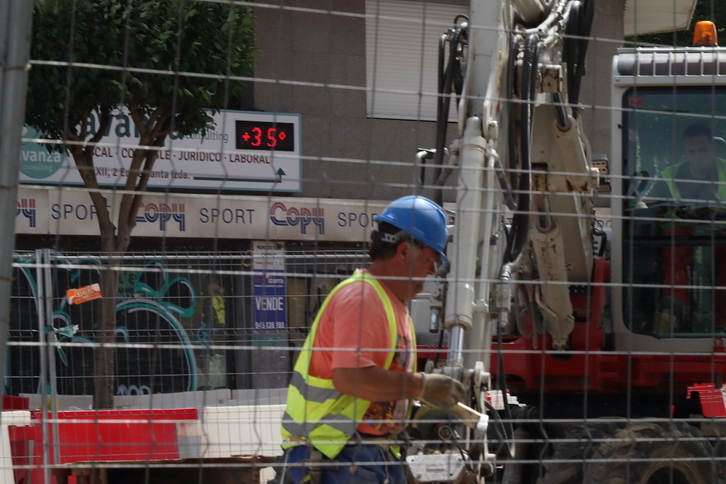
(103, 435)
(712, 401)
(11, 402)
(20, 438)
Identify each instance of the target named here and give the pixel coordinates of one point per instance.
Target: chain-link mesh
(196, 177)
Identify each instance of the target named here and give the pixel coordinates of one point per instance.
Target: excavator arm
(524, 179)
(520, 152)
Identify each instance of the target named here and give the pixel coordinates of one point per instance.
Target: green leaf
(207, 42)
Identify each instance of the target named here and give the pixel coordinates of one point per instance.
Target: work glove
(440, 390)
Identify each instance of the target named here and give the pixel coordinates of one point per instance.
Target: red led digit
(258, 136)
(271, 137)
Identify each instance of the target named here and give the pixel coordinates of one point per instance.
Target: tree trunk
(115, 240)
(105, 355)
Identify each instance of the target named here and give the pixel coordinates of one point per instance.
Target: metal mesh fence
(190, 356)
(196, 177)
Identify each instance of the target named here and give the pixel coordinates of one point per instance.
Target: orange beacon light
(704, 34)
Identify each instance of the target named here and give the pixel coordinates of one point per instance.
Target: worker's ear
(404, 249)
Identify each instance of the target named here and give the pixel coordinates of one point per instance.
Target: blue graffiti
(159, 355)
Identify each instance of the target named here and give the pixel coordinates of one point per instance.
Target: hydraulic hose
(560, 112)
(441, 125)
(582, 50)
(520, 223)
(447, 76)
(577, 32)
(573, 25)
(505, 277)
(512, 142)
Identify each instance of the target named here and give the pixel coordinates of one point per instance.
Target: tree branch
(142, 164)
(83, 157)
(155, 114)
(162, 127)
(84, 162)
(71, 136)
(84, 126)
(105, 121)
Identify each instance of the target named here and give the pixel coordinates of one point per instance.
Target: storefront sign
(71, 212)
(245, 151)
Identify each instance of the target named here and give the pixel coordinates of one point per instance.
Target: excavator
(592, 352)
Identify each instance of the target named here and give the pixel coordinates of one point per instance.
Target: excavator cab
(674, 211)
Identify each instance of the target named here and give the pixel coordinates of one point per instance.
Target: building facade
(239, 273)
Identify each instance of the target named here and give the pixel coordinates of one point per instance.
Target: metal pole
(50, 347)
(15, 34)
(40, 275)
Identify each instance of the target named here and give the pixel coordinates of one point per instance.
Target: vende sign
(269, 309)
(245, 151)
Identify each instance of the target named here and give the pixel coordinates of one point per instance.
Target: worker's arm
(376, 384)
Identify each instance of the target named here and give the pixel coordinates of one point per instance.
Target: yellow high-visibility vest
(316, 412)
(669, 176)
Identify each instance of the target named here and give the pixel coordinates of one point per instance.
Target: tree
(713, 10)
(145, 55)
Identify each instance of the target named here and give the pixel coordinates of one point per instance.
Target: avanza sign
(245, 151)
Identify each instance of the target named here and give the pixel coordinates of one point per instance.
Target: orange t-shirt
(355, 327)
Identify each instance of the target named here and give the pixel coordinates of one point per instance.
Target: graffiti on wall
(165, 325)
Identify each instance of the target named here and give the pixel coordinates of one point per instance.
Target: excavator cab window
(674, 220)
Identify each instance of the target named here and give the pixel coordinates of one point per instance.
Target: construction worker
(350, 390)
(696, 187)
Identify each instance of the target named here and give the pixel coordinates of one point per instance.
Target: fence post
(15, 34)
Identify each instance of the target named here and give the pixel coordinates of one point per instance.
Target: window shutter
(402, 39)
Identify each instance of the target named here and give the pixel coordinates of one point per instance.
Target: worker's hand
(440, 390)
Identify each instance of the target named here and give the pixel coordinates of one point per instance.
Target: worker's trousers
(356, 463)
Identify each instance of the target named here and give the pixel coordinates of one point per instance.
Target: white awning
(653, 16)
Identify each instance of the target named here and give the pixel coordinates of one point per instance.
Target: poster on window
(269, 301)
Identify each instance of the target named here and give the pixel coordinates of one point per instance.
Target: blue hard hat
(421, 218)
